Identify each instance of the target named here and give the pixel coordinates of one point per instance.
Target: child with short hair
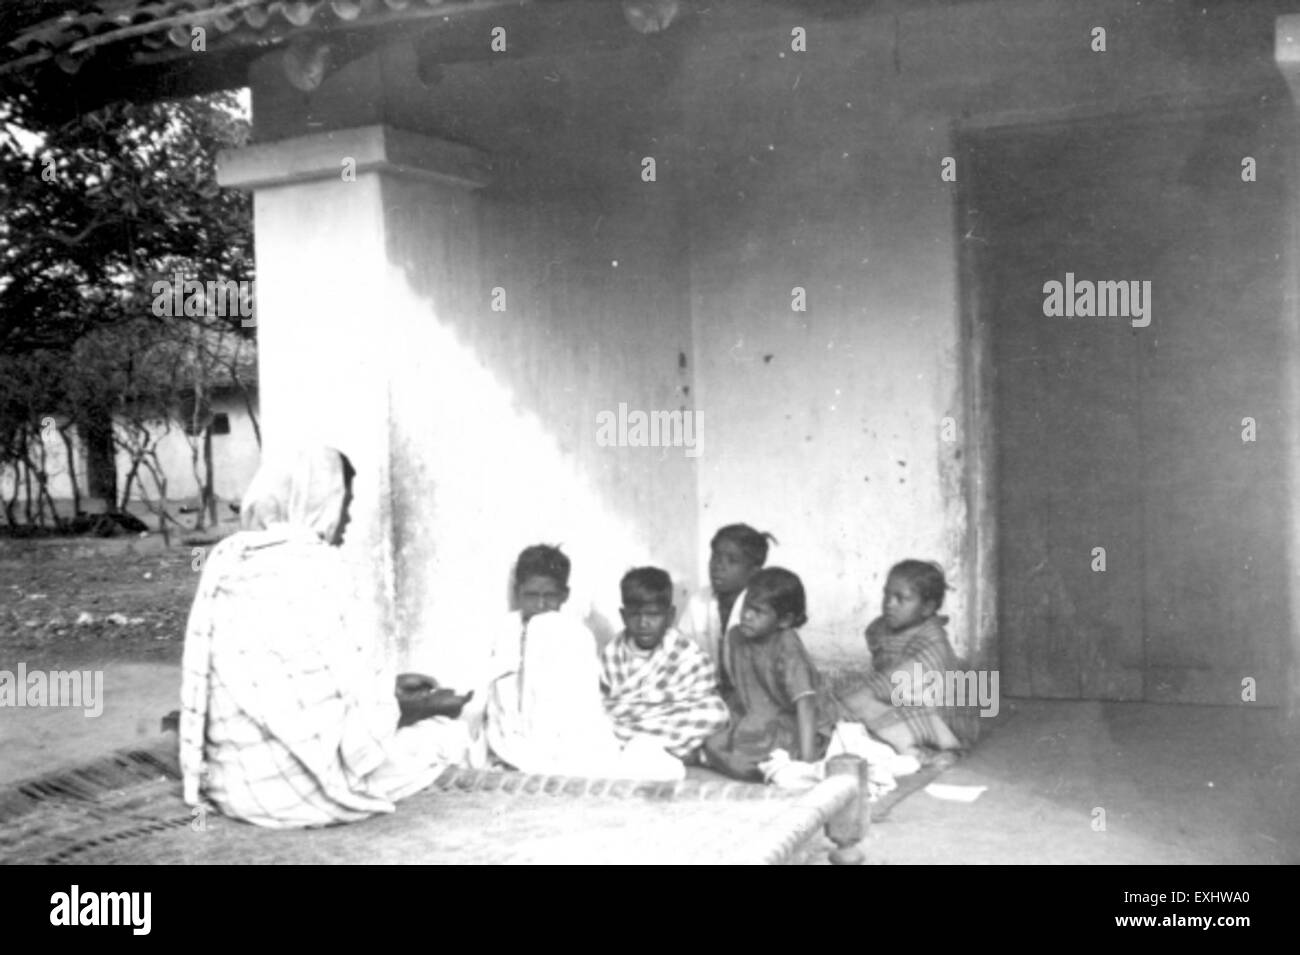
(737, 553)
(541, 580)
(908, 632)
(775, 693)
(541, 585)
(657, 683)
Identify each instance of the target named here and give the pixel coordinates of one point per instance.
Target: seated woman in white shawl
(543, 703)
(289, 712)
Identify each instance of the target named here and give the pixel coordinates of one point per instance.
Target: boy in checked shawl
(657, 683)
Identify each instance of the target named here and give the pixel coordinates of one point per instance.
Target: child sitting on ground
(909, 632)
(657, 683)
(541, 585)
(544, 710)
(781, 715)
(738, 552)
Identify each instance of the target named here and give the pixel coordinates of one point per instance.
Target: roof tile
(30, 36)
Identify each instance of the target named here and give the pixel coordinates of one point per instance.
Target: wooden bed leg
(849, 826)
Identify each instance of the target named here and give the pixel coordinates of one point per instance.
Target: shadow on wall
(494, 412)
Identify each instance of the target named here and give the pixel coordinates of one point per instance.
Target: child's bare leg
(943, 736)
(864, 707)
(898, 736)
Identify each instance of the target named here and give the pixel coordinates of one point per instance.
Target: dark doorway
(1141, 533)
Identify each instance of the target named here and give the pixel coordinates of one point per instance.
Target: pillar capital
(377, 148)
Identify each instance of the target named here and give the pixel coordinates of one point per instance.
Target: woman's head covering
(303, 490)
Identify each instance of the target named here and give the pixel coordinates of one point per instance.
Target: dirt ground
(1112, 783)
(78, 601)
(117, 605)
(1066, 782)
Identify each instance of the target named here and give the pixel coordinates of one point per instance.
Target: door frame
(976, 337)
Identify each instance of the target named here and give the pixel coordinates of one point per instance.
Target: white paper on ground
(955, 793)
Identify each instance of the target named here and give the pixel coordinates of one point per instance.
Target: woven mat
(126, 809)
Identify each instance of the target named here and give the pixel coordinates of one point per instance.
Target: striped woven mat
(127, 809)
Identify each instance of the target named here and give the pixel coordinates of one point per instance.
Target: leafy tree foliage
(92, 213)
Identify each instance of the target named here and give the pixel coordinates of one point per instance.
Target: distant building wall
(235, 457)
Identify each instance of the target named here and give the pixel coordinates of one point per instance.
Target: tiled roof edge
(155, 26)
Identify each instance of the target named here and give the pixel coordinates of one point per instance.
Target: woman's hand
(419, 697)
(445, 702)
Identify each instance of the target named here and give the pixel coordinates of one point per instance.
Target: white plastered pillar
(332, 320)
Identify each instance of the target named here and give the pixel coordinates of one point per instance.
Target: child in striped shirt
(906, 639)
